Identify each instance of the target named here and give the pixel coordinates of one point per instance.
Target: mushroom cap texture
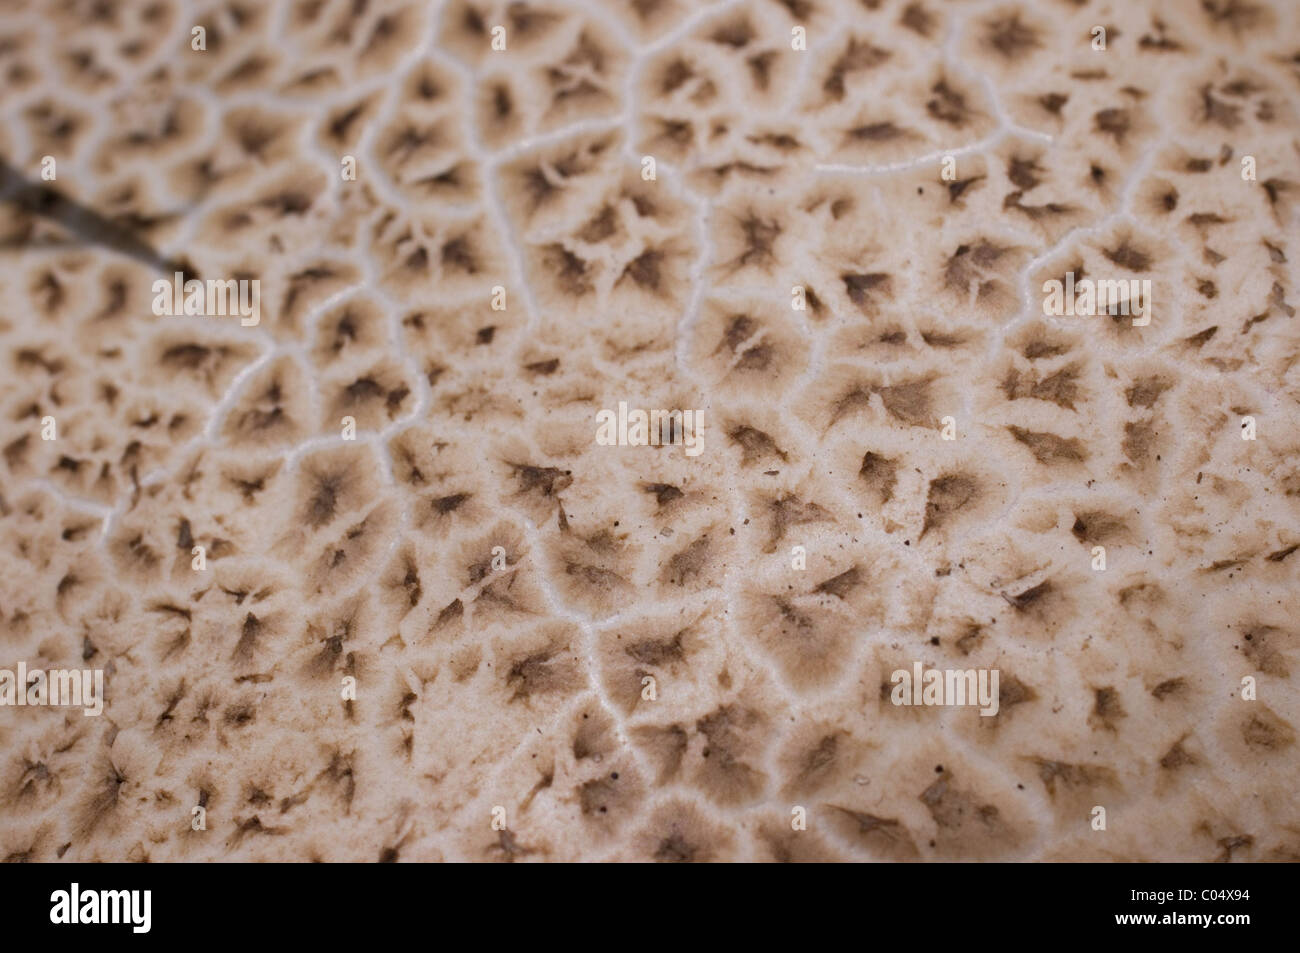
(362, 581)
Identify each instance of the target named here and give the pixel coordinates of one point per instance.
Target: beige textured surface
(521, 687)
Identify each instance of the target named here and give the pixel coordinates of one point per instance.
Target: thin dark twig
(89, 226)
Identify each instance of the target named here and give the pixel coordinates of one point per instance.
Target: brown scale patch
(1107, 709)
(1009, 36)
(665, 746)
(785, 846)
(1050, 449)
(1053, 103)
(1097, 526)
(593, 736)
(213, 363)
(1265, 731)
(740, 328)
(755, 445)
(691, 565)
(373, 398)
(1236, 16)
(568, 273)
(352, 553)
(536, 182)
(356, 324)
(880, 474)
(1276, 189)
(876, 132)
(1011, 692)
(1031, 598)
(333, 482)
(647, 270)
(1262, 644)
(249, 634)
(858, 55)
(865, 289)
(102, 800)
(674, 136)
(815, 765)
(403, 580)
(544, 481)
(1126, 255)
(531, 21)
(885, 837)
(262, 135)
(499, 112)
(1229, 845)
(457, 183)
(594, 579)
(1047, 210)
(731, 733)
(948, 105)
(735, 33)
(391, 34)
(459, 253)
(664, 493)
(1158, 39)
(1139, 441)
(544, 671)
(657, 652)
(787, 511)
(1145, 391)
(918, 19)
(134, 554)
(570, 80)
(1177, 757)
(965, 825)
(908, 402)
(601, 226)
(972, 269)
(946, 497)
(1114, 122)
(754, 236)
(1061, 387)
(1024, 173)
(1072, 776)
(942, 340)
(807, 635)
(678, 833)
(1217, 112)
(842, 584)
(958, 187)
(612, 797)
(311, 285)
(674, 74)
